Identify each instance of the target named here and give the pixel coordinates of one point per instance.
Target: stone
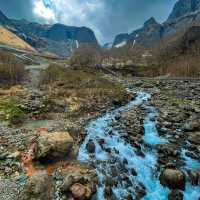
(90, 147)
(78, 191)
(175, 195)
(15, 155)
(38, 187)
(194, 177)
(79, 182)
(54, 145)
(191, 125)
(68, 182)
(133, 172)
(173, 179)
(194, 137)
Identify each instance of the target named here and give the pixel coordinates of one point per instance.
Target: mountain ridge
(184, 14)
(48, 38)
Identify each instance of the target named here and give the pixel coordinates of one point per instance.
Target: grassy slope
(10, 39)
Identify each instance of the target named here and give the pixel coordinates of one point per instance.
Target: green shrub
(12, 112)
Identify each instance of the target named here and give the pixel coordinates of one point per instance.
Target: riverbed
(122, 173)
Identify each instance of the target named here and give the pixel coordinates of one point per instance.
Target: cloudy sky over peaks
(106, 17)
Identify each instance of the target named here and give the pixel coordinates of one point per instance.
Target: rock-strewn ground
(30, 155)
(178, 105)
(63, 108)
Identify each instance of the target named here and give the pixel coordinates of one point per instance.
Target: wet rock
(101, 141)
(38, 187)
(168, 150)
(194, 137)
(117, 118)
(117, 103)
(175, 195)
(90, 147)
(114, 171)
(54, 145)
(129, 197)
(125, 161)
(133, 172)
(192, 124)
(173, 179)
(141, 191)
(133, 122)
(108, 191)
(194, 177)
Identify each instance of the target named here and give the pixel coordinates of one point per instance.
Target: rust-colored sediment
(27, 160)
(28, 157)
(31, 169)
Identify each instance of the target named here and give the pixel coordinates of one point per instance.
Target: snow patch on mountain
(121, 44)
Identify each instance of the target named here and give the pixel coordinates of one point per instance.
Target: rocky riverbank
(178, 121)
(41, 129)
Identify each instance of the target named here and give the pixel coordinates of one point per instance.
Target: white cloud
(42, 11)
(70, 12)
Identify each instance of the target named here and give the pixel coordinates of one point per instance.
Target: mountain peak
(3, 19)
(150, 21)
(184, 7)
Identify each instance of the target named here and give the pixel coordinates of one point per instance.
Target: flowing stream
(122, 173)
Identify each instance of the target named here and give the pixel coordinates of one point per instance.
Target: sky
(106, 18)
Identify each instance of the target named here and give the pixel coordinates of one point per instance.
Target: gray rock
(54, 145)
(175, 195)
(173, 179)
(38, 187)
(194, 138)
(194, 177)
(90, 147)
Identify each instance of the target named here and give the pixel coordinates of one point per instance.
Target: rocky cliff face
(184, 7)
(4, 20)
(60, 32)
(184, 14)
(147, 35)
(58, 38)
(186, 43)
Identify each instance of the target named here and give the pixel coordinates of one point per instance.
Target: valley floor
(38, 157)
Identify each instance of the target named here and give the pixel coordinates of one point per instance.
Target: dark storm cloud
(106, 17)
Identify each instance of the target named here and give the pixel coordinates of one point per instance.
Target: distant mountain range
(184, 14)
(57, 38)
(62, 40)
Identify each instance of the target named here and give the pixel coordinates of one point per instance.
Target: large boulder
(54, 145)
(38, 187)
(79, 182)
(173, 179)
(79, 191)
